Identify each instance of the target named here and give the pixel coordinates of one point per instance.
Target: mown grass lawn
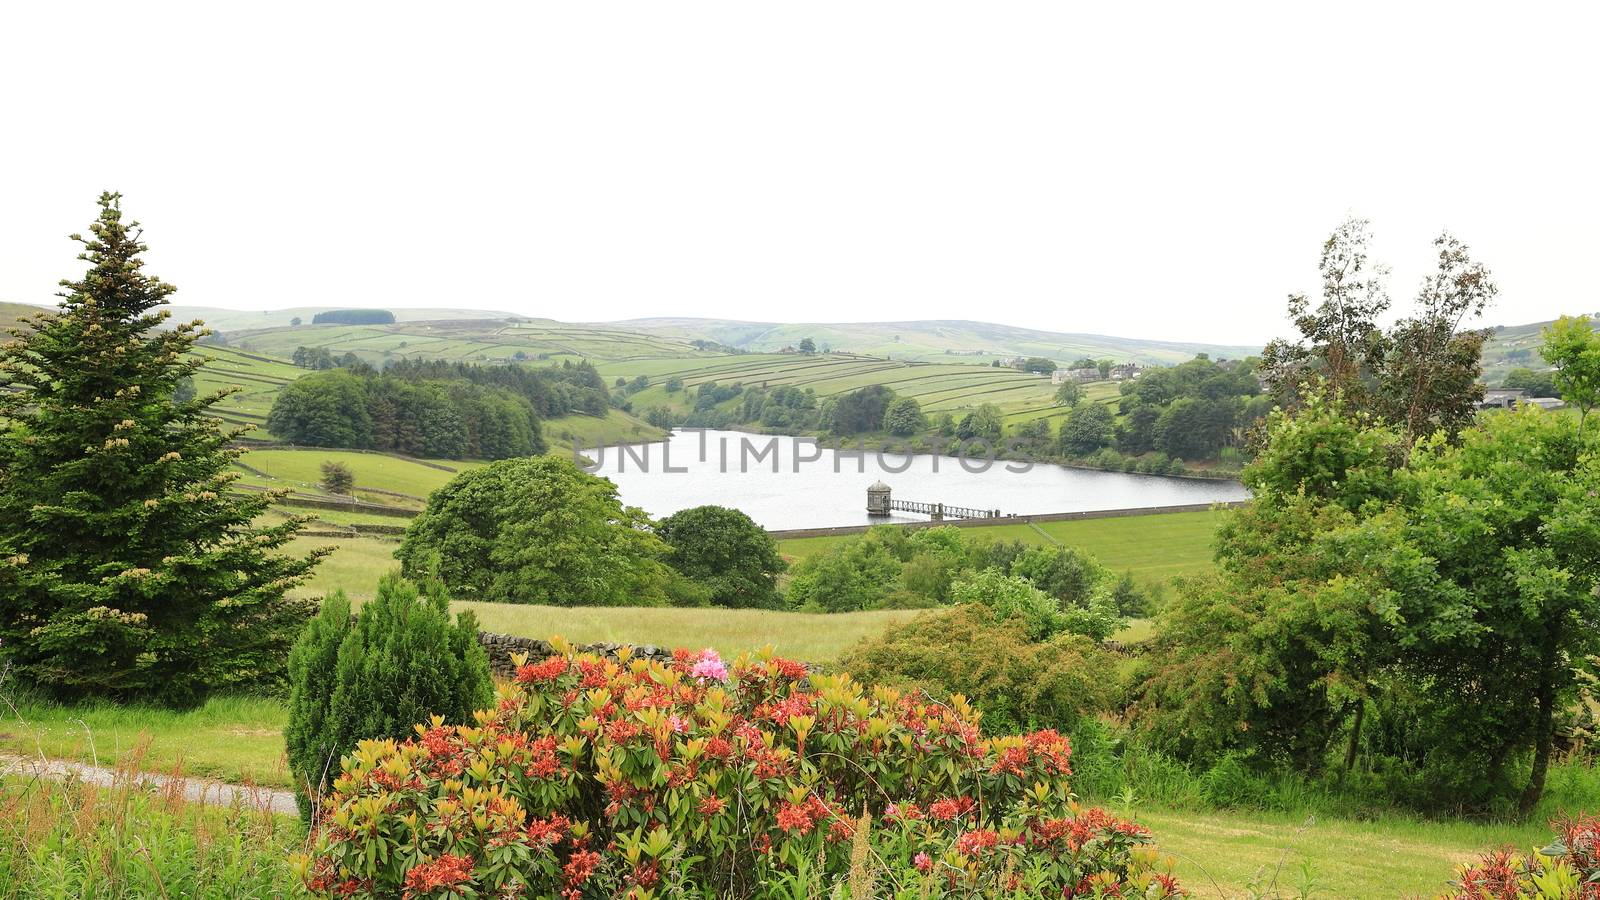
(813, 637)
(1240, 854)
(1154, 548)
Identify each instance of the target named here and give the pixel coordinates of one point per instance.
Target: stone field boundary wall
(501, 647)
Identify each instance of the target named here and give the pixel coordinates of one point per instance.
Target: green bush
(539, 530)
(858, 574)
(1018, 682)
(727, 553)
(376, 675)
(1010, 597)
(1130, 600)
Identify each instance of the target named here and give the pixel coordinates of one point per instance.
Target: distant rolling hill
(944, 340)
(1514, 347)
(11, 312)
(236, 319)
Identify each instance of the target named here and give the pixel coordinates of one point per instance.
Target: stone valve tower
(878, 499)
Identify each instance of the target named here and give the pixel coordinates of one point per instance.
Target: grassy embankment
(1154, 548)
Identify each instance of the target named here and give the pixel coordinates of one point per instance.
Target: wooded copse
(435, 409)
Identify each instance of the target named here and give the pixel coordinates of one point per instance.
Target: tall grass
(75, 839)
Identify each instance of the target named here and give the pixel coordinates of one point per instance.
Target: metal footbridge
(941, 511)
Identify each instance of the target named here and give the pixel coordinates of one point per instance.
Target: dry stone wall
(501, 647)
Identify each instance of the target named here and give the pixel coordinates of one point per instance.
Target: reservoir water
(787, 482)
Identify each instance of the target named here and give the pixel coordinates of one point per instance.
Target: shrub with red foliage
(1568, 869)
(594, 778)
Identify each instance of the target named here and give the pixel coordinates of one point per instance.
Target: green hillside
(228, 320)
(942, 340)
(11, 312)
(1512, 347)
(466, 340)
(257, 377)
(951, 384)
(485, 337)
(939, 387)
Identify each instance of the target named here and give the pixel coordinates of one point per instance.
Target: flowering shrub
(593, 778)
(1568, 869)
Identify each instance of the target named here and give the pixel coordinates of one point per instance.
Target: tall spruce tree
(127, 567)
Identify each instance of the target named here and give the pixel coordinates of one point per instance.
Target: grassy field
(939, 387)
(235, 739)
(814, 637)
(1154, 548)
(302, 470)
(354, 566)
(1226, 854)
(615, 427)
(256, 380)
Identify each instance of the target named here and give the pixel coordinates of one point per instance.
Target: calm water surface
(785, 482)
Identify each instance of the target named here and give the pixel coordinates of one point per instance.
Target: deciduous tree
(904, 417)
(1421, 374)
(725, 552)
(537, 530)
(1571, 345)
(1086, 429)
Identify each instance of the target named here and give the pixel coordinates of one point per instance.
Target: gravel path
(198, 790)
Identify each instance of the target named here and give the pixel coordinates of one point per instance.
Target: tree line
(453, 419)
(433, 408)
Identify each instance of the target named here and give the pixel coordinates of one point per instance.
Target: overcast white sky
(1151, 170)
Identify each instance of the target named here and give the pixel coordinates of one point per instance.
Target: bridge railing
(940, 510)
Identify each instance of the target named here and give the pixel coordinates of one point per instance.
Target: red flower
(620, 731)
(795, 818)
(544, 764)
(549, 670)
(1011, 760)
(1052, 749)
(445, 872)
(546, 832)
(712, 805)
(580, 867)
(971, 842)
(945, 809)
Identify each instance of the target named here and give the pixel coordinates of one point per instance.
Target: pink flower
(922, 862)
(710, 666)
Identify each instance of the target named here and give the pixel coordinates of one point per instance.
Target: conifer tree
(127, 567)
